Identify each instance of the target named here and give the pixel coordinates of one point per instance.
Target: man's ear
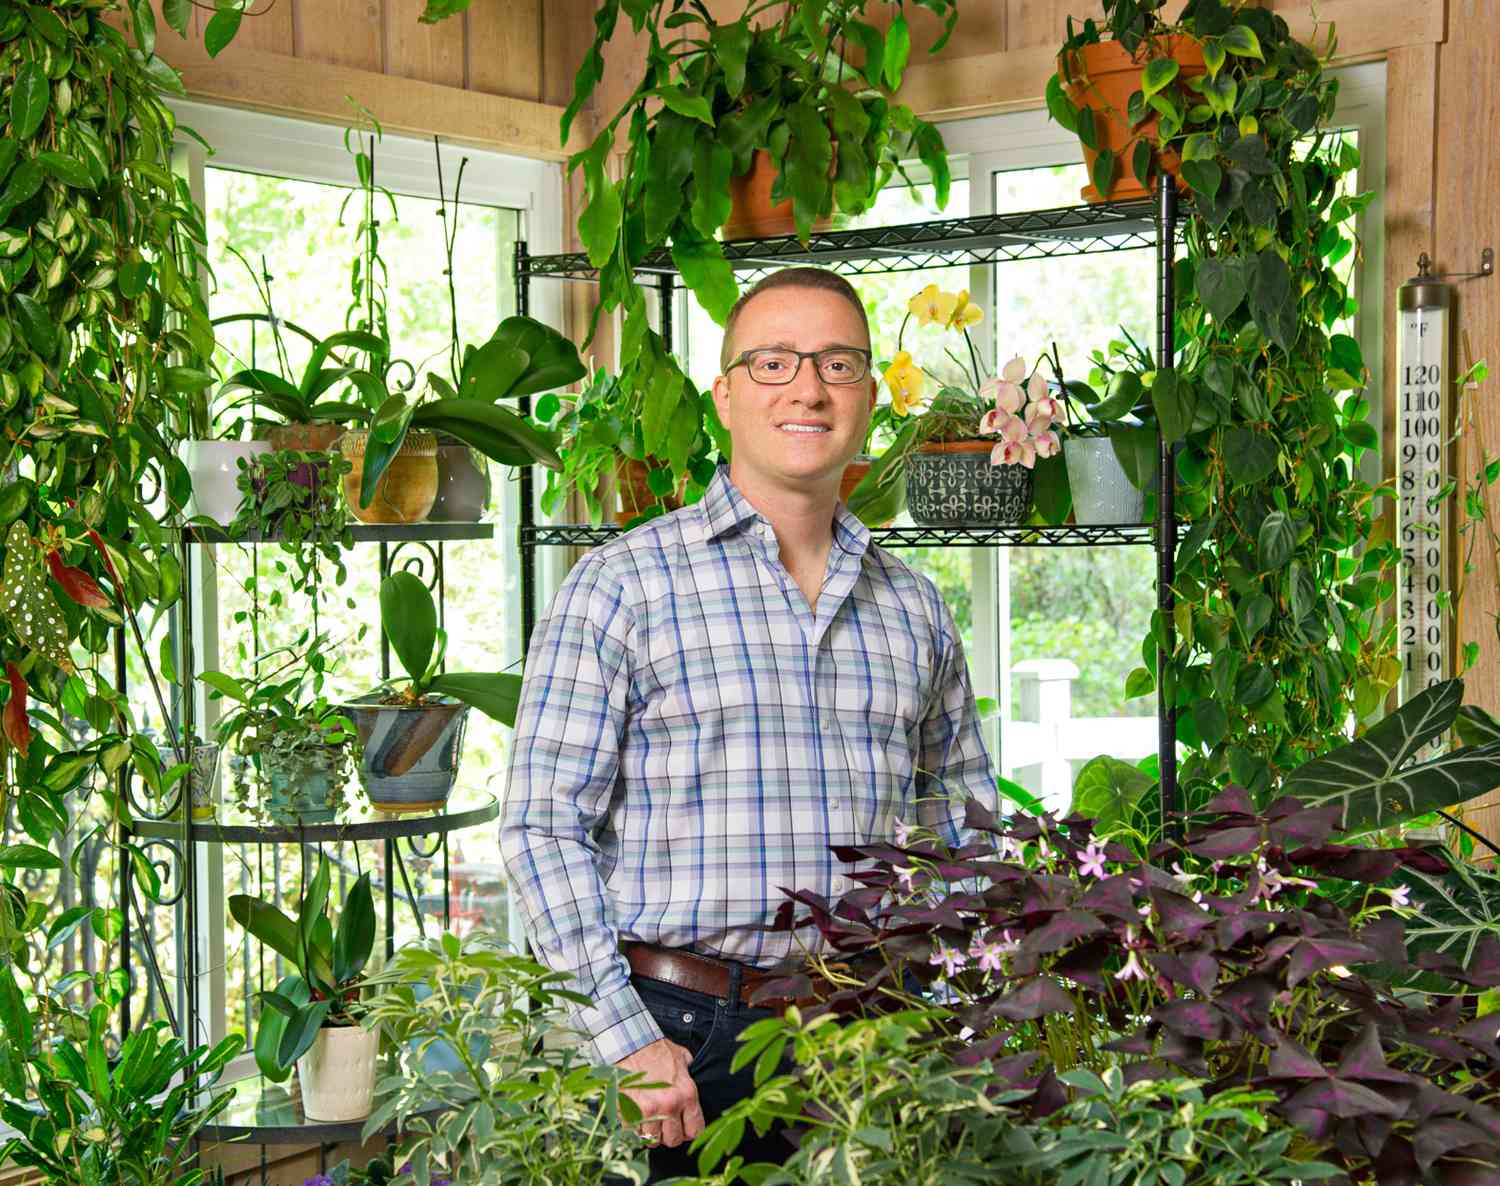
(721, 398)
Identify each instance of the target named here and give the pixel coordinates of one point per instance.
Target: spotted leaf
(28, 604)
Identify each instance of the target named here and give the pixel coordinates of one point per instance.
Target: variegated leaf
(28, 603)
(1370, 779)
(1454, 912)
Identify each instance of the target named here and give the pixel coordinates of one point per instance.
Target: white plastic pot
(1102, 494)
(337, 1073)
(214, 467)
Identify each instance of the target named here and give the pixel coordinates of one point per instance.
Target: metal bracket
(1486, 268)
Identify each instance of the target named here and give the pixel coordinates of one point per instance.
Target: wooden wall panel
(567, 33)
(1467, 175)
(505, 48)
(431, 53)
(340, 33)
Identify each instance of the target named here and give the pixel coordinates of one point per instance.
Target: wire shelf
(981, 239)
(363, 533)
(1067, 535)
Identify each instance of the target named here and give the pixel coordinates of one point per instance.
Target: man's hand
(672, 1113)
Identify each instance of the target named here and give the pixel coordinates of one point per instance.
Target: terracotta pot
(407, 489)
(635, 493)
(1104, 77)
(753, 214)
(854, 474)
(305, 438)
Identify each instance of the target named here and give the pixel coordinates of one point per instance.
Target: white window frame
(306, 150)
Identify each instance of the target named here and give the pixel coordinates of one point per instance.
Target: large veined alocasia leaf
(1454, 911)
(1376, 781)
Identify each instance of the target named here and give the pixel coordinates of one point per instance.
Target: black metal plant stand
(983, 239)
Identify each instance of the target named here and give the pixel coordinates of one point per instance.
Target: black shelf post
(1166, 521)
(528, 519)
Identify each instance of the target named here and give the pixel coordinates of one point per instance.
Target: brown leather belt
(702, 973)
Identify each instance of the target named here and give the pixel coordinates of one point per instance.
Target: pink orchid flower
(1048, 444)
(1007, 396)
(1014, 370)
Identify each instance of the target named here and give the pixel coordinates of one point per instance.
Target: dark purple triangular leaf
(1225, 842)
(1192, 1019)
(1034, 999)
(1061, 930)
(1232, 800)
(1196, 969)
(1350, 862)
(1305, 825)
(1438, 1138)
(1341, 1098)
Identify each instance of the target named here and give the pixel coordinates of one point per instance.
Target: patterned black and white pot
(954, 485)
(409, 753)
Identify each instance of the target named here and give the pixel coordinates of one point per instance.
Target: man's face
(797, 435)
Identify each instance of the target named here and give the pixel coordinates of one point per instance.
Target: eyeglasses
(776, 365)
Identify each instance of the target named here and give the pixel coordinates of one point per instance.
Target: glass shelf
(980, 239)
(353, 823)
(362, 533)
(1067, 535)
(267, 1113)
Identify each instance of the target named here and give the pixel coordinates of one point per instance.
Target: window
(273, 191)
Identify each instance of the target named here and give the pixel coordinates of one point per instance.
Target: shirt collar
(723, 508)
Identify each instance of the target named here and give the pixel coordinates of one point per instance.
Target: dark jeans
(708, 1027)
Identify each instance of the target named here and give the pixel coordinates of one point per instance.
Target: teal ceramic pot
(463, 490)
(409, 754)
(305, 785)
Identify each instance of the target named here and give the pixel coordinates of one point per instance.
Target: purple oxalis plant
(1217, 956)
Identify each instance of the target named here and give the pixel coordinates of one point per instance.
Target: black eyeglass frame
(744, 359)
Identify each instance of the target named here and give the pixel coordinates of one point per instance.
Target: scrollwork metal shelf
(267, 1113)
(979, 239)
(390, 533)
(365, 825)
(1066, 535)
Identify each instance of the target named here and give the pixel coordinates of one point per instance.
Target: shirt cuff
(618, 1024)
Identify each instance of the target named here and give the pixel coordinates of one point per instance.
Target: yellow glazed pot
(407, 489)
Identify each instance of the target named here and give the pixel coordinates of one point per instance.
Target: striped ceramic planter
(408, 753)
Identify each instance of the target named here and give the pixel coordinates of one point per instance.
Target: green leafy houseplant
(80, 1112)
(324, 989)
(1176, 94)
(601, 425)
(711, 96)
(1280, 635)
(291, 738)
(532, 1110)
(409, 619)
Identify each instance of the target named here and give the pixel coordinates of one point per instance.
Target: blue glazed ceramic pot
(408, 753)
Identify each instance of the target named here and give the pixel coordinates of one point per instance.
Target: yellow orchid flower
(964, 314)
(932, 305)
(906, 382)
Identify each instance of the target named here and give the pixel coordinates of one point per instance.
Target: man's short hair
(792, 278)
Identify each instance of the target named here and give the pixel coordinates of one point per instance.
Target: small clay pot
(1104, 76)
(407, 489)
(753, 215)
(635, 492)
(305, 437)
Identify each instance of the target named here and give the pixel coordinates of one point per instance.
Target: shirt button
(826, 724)
(836, 804)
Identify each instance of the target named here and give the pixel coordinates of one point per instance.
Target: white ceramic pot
(1102, 494)
(337, 1073)
(214, 467)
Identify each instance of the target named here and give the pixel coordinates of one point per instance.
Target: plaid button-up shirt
(692, 737)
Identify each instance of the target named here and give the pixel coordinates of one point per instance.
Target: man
(713, 700)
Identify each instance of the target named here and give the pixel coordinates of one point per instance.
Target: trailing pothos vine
(1282, 577)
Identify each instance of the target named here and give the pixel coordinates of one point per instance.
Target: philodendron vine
(1282, 577)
